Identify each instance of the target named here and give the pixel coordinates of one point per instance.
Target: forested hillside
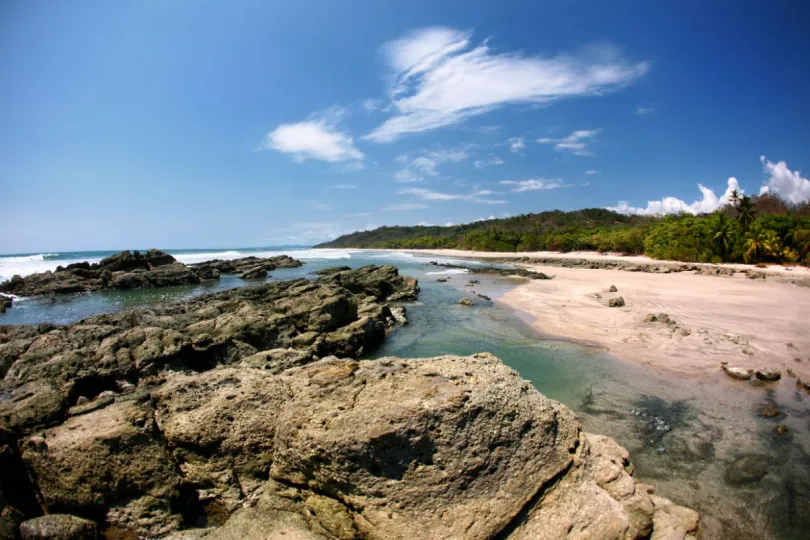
(750, 229)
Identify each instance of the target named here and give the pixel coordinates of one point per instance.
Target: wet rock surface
(493, 270)
(278, 443)
(246, 267)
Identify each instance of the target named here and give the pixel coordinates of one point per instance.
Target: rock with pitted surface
(59, 527)
(616, 302)
(769, 374)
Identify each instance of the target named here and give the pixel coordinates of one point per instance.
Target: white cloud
(317, 138)
(533, 184)
(591, 171)
(441, 78)
(424, 224)
(404, 206)
(448, 224)
(358, 214)
(481, 163)
(371, 105)
(644, 110)
(709, 202)
(484, 219)
(576, 143)
(407, 176)
(516, 144)
(344, 186)
(474, 197)
(787, 184)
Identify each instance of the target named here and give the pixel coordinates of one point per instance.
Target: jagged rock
(10, 520)
(6, 302)
(45, 374)
(246, 267)
(520, 272)
(59, 527)
(769, 374)
(400, 315)
(738, 372)
(465, 302)
(483, 297)
(448, 447)
(613, 288)
(616, 302)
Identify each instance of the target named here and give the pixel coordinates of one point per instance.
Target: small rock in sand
(613, 288)
(474, 282)
(465, 301)
(769, 374)
(658, 317)
(442, 280)
(769, 410)
(737, 372)
(616, 302)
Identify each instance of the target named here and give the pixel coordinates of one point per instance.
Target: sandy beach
(746, 322)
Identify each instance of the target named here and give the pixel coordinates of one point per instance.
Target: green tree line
(749, 229)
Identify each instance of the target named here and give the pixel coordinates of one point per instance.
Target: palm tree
(747, 212)
(735, 197)
(754, 243)
(723, 234)
(772, 245)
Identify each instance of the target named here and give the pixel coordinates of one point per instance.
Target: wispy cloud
(789, 185)
(441, 77)
(591, 171)
(482, 163)
(344, 186)
(426, 164)
(478, 196)
(533, 184)
(316, 138)
(576, 143)
(644, 110)
(318, 205)
(516, 144)
(371, 105)
(709, 202)
(404, 207)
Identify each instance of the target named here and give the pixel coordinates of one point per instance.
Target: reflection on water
(735, 451)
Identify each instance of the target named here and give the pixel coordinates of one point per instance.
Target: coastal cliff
(242, 414)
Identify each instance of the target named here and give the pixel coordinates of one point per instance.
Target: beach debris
(737, 372)
(465, 302)
(442, 280)
(613, 288)
(769, 374)
(616, 302)
(770, 410)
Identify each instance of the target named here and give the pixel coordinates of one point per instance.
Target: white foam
(25, 265)
(191, 258)
(448, 271)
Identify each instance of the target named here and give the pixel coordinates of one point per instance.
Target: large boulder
(59, 527)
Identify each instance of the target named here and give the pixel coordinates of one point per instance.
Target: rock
(658, 317)
(6, 302)
(400, 315)
(616, 302)
(256, 272)
(45, 374)
(738, 372)
(613, 288)
(248, 267)
(442, 280)
(473, 282)
(465, 302)
(747, 469)
(483, 297)
(520, 272)
(10, 520)
(59, 527)
(82, 400)
(790, 373)
(769, 374)
(770, 410)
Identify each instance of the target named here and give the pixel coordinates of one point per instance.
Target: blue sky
(213, 124)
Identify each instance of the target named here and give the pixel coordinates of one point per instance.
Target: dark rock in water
(465, 301)
(473, 282)
(441, 280)
(134, 270)
(770, 410)
(747, 469)
(520, 272)
(58, 527)
(738, 372)
(616, 302)
(249, 267)
(332, 270)
(613, 288)
(769, 374)
(483, 297)
(5, 303)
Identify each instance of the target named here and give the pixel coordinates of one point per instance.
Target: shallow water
(701, 443)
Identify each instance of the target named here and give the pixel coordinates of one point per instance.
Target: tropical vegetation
(760, 229)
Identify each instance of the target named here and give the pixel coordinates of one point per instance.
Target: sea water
(700, 442)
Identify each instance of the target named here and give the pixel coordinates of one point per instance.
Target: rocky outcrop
(246, 267)
(136, 270)
(448, 447)
(492, 270)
